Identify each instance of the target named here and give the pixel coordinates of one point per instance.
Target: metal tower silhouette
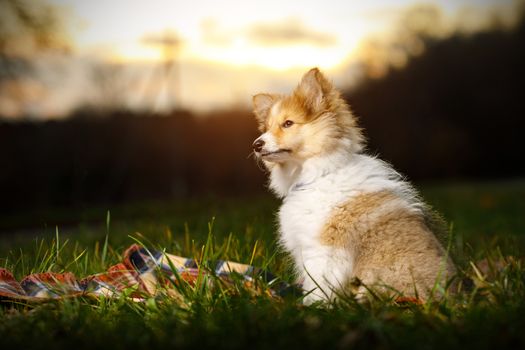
(165, 77)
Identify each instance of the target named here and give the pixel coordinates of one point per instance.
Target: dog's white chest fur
(301, 217)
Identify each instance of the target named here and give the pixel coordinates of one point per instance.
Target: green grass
(486, 222)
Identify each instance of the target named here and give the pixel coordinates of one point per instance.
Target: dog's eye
(287, 123)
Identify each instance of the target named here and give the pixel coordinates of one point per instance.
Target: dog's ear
(313, 88)
(262, 103)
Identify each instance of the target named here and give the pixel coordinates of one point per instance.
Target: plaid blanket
(142, 274)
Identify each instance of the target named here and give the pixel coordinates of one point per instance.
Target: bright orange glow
(241, 52)
(277, 58)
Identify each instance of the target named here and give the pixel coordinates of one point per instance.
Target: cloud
(213, 34)
(288, 32)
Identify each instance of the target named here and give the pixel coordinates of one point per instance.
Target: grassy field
(487, 221)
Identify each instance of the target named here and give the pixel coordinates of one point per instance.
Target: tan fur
(356, 211)
(391, 244)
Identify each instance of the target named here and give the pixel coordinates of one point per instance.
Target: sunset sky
(272, 33)
(230, 49)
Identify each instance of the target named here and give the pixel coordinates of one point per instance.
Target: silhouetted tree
(453, 111)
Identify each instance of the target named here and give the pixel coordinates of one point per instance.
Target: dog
(350, 222)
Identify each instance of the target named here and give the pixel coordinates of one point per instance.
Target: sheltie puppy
(349, 220)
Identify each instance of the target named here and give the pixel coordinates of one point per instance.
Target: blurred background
(116, 101)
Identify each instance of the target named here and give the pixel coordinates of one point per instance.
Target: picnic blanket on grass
(143, 273)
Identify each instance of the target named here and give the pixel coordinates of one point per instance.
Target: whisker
(260, 164)
(258, 160)
(252, 153)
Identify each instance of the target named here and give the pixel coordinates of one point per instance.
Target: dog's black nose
(258, 145)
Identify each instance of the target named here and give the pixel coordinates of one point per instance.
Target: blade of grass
(105, 246)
